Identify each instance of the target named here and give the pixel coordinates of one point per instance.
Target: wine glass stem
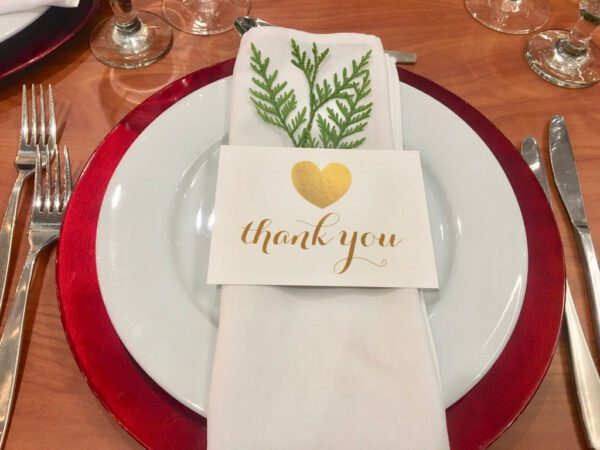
(125, 17)
(581, 34)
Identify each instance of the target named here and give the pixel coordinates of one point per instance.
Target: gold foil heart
(321, 187)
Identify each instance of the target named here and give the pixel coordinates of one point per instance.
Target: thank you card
(321, 217)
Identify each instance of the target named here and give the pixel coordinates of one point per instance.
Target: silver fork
(49, 203)
(33, 133)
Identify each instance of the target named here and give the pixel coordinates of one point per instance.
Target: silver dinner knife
(587, 381)
(245, 23)
(567, 183)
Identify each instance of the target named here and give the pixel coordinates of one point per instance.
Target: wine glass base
(548, 58)
(510, 16)
(139, 45)
(204, 16)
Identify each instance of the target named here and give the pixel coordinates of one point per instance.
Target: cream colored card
(321, 217)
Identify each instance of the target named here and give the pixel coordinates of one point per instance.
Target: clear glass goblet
(510, 16)
(568, 58)
(130, 38)
(204, 16)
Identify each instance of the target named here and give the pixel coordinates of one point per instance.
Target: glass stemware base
(137, 44)
(510, 16)
(204, 16)
(550, 55)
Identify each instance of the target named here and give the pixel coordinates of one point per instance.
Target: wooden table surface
(55, 409)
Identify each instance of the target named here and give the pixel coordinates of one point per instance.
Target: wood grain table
(55, 409)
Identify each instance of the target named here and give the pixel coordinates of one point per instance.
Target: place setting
(176, 350)
(309, 245)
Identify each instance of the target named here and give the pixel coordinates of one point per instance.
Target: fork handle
(6, 233)
(10, 344)
(587, 382)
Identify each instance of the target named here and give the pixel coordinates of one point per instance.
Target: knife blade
(567, 183)
(565, 171)
(587, 381)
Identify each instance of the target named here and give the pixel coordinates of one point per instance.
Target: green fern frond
(347, 90)
(271, 101)
(298, 120)
(351, 144)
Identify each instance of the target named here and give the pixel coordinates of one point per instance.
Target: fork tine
(24, 117)
(68, 178)
(33, 134)
(42, 138)
(48, 193)
(37, 185)
(51, 123)
(56, 200)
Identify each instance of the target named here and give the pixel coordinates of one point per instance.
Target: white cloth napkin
(8, 6)
(322, 368)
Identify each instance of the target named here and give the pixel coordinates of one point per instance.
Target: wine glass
(130, 38)
(510, 16)
(568, 58)
(204, 16)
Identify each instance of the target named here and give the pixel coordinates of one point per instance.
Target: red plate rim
(50, 31)
(157, 420)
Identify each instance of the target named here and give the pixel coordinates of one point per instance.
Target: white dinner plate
(12, 23)
(154, 231)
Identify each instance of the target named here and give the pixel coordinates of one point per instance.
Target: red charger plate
(158, 421)
(52, 29)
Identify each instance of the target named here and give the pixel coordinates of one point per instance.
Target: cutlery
(587, 381)
(33, 133)
(48, 206)
(567, 183)
(245, 23)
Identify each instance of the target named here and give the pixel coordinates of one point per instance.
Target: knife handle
(592, 275)
(403, 57)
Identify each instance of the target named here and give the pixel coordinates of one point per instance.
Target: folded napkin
(301, 368)
(8, 6)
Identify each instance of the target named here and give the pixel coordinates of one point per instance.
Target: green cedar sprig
(277, 105)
